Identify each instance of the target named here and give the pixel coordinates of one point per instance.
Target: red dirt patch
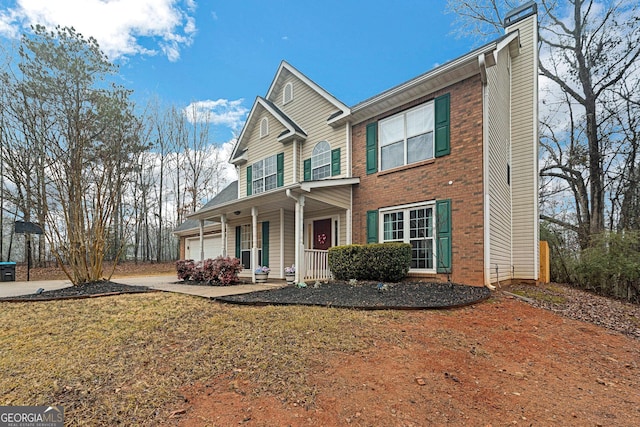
(502, 362)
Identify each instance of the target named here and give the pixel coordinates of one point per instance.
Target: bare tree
(588, 50)
(86, 133)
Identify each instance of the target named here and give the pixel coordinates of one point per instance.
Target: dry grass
(122, 360)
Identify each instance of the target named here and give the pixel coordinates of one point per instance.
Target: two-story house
(447, 161)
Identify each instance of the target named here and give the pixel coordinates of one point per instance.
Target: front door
(322, 234)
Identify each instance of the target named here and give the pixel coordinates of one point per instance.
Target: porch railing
(316, 265)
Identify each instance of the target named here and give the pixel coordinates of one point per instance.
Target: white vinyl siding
(261, 148)
(311, 111)
(500, 232)
(524, 142)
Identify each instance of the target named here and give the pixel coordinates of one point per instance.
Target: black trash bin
(7, 271)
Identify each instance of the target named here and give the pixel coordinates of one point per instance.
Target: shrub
(344, 261)
(220, 271)
(611, 266)
(227, 270)
(387, 262)
(184, 268)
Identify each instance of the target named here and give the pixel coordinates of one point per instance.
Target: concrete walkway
(161, 283)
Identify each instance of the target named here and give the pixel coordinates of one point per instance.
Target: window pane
(418, 121)
(392, 155)
(258, 170)
(258, 186)
(422, 254)
(270, 183)
(420, 147)
(321, 172)
(392, 130)
(393, 226)
(269, 165)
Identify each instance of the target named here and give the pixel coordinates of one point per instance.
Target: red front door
(322, 234)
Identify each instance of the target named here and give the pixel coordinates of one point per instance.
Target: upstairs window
(287, 95)
(264, 127)
(264, 175)
(407, 137)
(321, 161)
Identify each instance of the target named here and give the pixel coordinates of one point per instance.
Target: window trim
(406, 209)
(405, 139)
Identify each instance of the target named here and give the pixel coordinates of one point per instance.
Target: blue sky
(222, 54)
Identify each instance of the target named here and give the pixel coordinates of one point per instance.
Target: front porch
(291, 226)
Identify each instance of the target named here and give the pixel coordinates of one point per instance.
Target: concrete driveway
(161, 283)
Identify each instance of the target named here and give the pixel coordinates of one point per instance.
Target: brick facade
(429, 180)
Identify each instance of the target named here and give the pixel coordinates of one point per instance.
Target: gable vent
(287, 96)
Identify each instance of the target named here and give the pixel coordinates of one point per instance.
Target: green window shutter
(372, 226)
(335, 162)
(372, 148)
(307, 170)
(238, 240)
(280, 170)
(443, 146)
(443, 250)
(265, 243)
(249, 181)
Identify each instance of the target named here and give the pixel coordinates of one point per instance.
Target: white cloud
(118, 25)
(219, 112)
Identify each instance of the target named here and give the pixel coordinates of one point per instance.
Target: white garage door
(212, 247)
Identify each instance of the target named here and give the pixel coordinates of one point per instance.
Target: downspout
(348, 224)
(485, 175)
(299, 236)
(295, 160)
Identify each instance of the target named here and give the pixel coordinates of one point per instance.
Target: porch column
(281, 242)
(300, 267)
(201, 240)
(254, 243)
(223, 234)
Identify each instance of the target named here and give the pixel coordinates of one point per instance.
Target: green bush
(386, 262)
(611, 266)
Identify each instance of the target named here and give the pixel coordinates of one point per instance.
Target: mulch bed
(367, 296)
(86, 290)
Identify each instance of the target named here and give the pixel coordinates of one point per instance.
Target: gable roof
(292, 129)
(284, 69)
(227, 194)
